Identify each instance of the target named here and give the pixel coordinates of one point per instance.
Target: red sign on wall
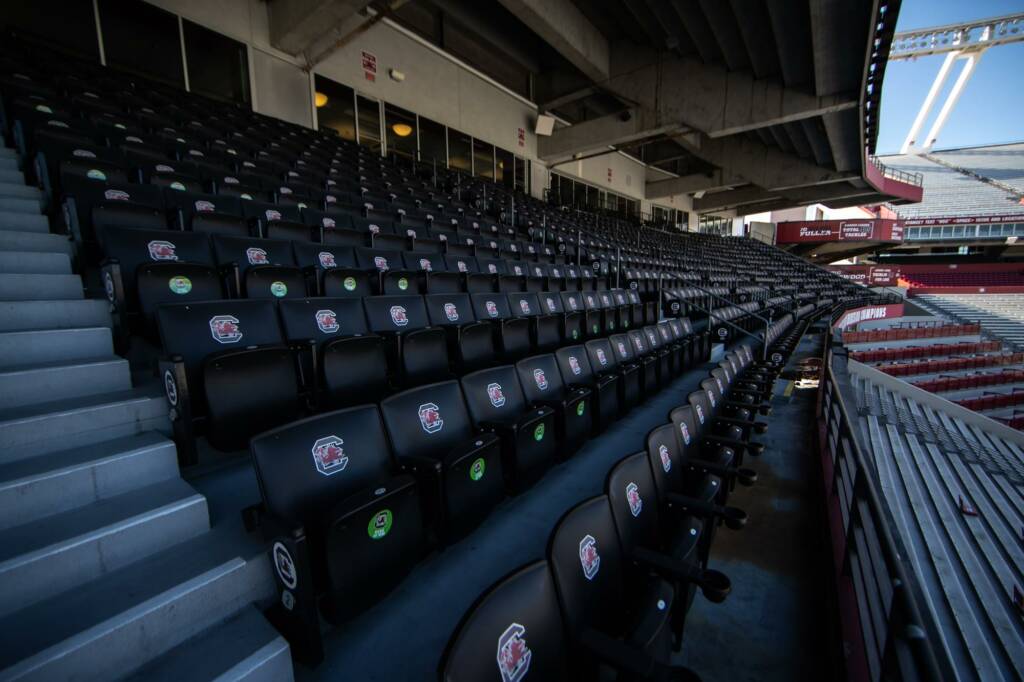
(802, 231)
(521, 136)
(369, 66)
(874, 312)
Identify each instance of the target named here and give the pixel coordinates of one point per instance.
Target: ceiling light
(402, 129)
(320, 99)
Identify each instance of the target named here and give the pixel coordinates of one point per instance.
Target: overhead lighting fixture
(320, 99)
(402, 129)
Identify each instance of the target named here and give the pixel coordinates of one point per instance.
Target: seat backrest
(197, 330)
(322, 319)
(702, 409)
(574, 365)
(250, 251)
(639, 341)
(586, 562)
(653, 337)
(395, 314)
(427, 421)
(602, 357)
(665, 459)
(461, 263)
(623, 347)
(421, 260)
(494, 394)
(378, 259)
(323, 257)
(491, 306)
(520, 616)
(492, 266)
(633, 498)
(296, 464)
(449, 310)
(524, 305)
(133, 247)
(540, 378)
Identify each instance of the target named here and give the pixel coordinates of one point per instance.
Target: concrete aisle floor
(775, 625)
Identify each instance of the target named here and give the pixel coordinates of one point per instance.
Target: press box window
(335, 107)
(143, 39)
(218, 66)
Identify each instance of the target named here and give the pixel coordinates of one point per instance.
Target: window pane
(335, 107)
(459, 150)
(400, 131)
(75, 31)
(143, 39)
(521, 175)
(503, 167)
(369, 122)
(483, 159)
(218, 66)
(432, 142)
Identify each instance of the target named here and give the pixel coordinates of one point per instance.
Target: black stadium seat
(418, 351)
(470, 343)
(542, 384)
(574, 365)
(457, 466)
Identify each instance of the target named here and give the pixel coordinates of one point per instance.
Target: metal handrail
(916, 179)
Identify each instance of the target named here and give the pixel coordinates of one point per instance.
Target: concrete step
(50, 381)
(17, 205)
(52, 555)
(8, 153)
(19, 349)
(53, 427)
(9, 163)
(33, 315)
(40, 287)
(38, 487)
(110, 628)
(23, 238)
(19, 190)
(34, 263)
(12, 176)
(22, 220)
(244, 647)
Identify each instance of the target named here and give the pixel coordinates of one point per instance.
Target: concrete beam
(733, 198)
(568, 30)
(687, 184)
(295, 25)
(568, 98)
(600, 133)
(762, 165)
(709, 98)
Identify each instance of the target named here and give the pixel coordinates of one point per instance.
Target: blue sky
(991, 109)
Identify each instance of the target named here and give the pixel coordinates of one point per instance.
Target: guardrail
(885, 631)
(916, 179)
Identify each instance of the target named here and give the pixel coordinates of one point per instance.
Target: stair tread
(122, 592)
(218, 649)
(58, 462)
(46, 410)
(73, 525)
(61, 364)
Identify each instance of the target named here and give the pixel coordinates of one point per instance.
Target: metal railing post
(618, 265)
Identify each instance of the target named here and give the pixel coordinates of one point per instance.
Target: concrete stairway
(108, 565)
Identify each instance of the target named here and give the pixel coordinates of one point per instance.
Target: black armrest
(471, 448)
(737, 445)
(734, 517)
(745, 476)
(666, 566)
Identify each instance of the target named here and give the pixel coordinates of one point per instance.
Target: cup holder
(765, 410)
(734, 517)
(755, 448)
(715, 585)
(747, 477)
(760, 427)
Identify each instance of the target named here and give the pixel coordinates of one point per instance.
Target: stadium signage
(963, 220)
(874, 312)
(804, 231)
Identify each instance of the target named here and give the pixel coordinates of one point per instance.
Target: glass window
(593, 200)
(503, 167)
(1019, 229)
(483, 159)
(400, 131)
(522, 173)
(958, 231)
(460, 150)
(75, 31)
(218, 66)
(143, 39)
(432, 143)
(369, 122)
(947, 231)
(335, 107)
(983, 230)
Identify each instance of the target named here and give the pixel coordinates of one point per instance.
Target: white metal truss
(965, 41)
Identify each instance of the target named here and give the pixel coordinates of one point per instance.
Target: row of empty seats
(901, 333)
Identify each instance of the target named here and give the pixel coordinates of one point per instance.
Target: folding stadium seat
(528, 431)
(657, 348)
(576, 371)
(520, 613)
(606, 361)
(711, 419)
(341, 362)
(470, 343)
(89, 205)
(340, 543)
(648, 542)
(593, 315)
(274, 220)
(512, 338)
(261, 268)
(417, 351)
(613, 616)
(210, 213)
(380, 262)
(542, 385)
(457, 467)
(240, 389)
(625, 353)
(145, 268)
(545, 329)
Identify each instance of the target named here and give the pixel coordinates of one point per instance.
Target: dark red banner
(867, 230)
(963, 220)
(869, 275)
